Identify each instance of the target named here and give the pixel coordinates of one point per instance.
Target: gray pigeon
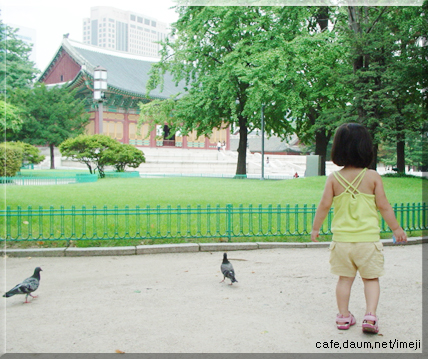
(28, 286)
(227, 270)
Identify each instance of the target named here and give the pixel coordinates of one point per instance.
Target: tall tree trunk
(373, 165)
(401, 162)
(321, 139)
(321, 142)
(401, 141)
(52, 150)
(241, 168)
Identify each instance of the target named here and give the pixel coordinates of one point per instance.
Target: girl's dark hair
(352, 146)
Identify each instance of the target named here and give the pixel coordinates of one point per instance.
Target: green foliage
(51, 115)
(220, 53)
(11, 156)
(312, 68)
(16, 70)
(389, 72)
(401, 175)
(125, 155)
(92, 150)
(99, 151)
(31, 154)
(11, 119)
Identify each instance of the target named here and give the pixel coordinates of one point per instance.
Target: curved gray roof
(126, 72)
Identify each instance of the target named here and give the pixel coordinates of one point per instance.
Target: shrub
(11, 156)
(126, 155)
(95, 151)
(31, 154)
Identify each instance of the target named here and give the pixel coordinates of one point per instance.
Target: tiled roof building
(73, 65)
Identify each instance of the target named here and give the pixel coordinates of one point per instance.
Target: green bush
(126, 155)
(31, 154)
(11, 156)
(95, 151)
(99, 151)
(400, 175)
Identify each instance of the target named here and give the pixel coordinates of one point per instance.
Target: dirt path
(173, 303)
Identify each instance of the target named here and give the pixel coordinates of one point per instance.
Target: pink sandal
(368, 327)
(345, 322)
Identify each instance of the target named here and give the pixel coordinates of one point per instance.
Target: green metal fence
(178, 223)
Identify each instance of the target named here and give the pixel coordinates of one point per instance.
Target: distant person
(223, 146)
(296, 175)
(218, 146)
(356, 193)
(267, 161)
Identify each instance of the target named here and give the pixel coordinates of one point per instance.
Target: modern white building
(125, 31)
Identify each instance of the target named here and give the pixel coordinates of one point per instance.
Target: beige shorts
(346, 258)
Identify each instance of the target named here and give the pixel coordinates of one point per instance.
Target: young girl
(356, 193)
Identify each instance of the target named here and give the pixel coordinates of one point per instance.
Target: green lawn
(190, 191)
(173, 191)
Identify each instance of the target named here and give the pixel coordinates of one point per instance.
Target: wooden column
(125, 128)
(184, 144)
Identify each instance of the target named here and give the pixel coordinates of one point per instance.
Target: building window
(154, 23)
(133, 17)
(140, 19)
(62, 78)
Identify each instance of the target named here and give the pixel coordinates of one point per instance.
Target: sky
(53, 18)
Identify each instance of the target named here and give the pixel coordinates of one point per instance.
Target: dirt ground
(284, 302)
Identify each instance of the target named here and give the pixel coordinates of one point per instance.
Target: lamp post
(100, 86)
(263, 142)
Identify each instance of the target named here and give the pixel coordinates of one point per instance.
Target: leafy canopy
(16, 71)
(99, 151)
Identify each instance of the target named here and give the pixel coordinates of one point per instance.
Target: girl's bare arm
(386, 210)
(323, 208)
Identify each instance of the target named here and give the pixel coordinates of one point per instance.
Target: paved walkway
(174, 303)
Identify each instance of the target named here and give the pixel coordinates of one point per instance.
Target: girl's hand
(314, 236)
(400, 235)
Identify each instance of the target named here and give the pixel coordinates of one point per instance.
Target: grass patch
(176, 191)
(190, 191)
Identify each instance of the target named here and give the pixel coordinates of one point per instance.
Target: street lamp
(100, 86)
(263, 141)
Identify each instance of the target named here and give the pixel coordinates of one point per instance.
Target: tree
(17, 71)
(30, 154)
(125, 155)
(11, 119)
(99, 151)
(389, 72)
(10, 159)
(218, 52)
(315, 66)
(405, 76)
(51, 116)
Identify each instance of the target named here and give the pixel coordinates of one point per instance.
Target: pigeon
(227, 270)
(27, 286)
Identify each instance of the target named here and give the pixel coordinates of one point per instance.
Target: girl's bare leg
(343, 293)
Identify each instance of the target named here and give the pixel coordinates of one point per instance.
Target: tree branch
(377, 20)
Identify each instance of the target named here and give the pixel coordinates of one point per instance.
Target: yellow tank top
(356, 218)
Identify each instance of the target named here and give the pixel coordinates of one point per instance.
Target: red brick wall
(66, 67)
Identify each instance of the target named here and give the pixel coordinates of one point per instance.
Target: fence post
(229, 222)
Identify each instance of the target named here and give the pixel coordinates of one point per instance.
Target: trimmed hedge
(11, 156)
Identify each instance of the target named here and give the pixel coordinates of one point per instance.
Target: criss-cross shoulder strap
(350, 187)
